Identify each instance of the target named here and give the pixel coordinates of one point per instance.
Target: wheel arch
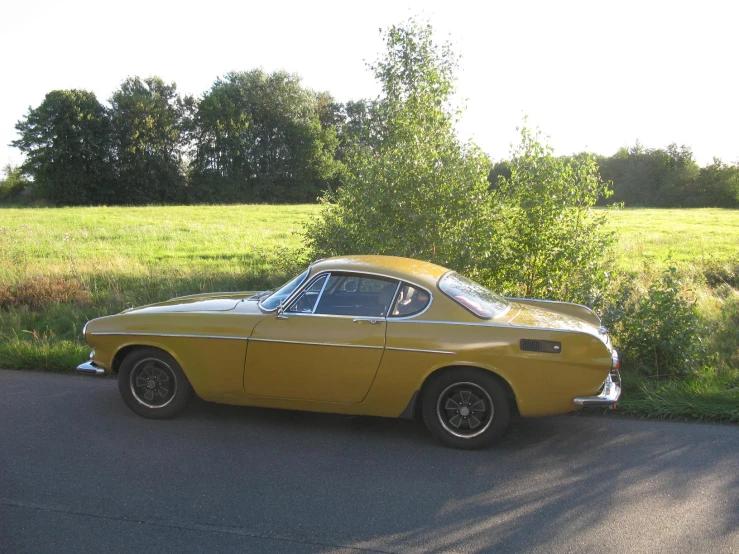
(445, 369)
(126, 349)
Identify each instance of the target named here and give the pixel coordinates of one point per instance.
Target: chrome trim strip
(318, 343)
(608, 397)
(394, 298)
(308, 314)
(320, 294)
(396, 348)
(176, 335)
(503, 325)
(89, 368)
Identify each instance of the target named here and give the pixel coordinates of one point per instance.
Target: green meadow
(60, 267)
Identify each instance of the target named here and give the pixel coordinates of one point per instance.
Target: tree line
(259, 137)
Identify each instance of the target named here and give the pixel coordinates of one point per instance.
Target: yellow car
(369, 335)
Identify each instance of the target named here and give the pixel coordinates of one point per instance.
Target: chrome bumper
(89, 368)
(608, 396)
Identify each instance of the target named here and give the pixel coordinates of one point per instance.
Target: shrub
(657, 331)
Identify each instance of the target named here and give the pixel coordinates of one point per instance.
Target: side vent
(547, 346)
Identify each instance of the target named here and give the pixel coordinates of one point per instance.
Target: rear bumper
(608, 396)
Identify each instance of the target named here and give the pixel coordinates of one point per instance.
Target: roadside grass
(60, 267)
(707, 396)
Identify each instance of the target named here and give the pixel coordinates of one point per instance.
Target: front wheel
(152, 384)
(465, 408)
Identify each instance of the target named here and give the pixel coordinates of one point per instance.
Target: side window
(411, 300)
(357, 295)
(306, 302)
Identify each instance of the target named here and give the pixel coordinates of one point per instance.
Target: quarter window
(410, 301)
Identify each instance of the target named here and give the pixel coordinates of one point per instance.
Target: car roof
(423, 273)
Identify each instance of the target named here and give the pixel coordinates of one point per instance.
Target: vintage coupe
(371, 335)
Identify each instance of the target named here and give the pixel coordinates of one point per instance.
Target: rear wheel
(152, 384)
(465, 408)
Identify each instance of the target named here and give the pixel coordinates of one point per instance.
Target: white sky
(593, 75)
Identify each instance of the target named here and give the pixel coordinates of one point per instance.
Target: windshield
(480, 301)
(273, 301)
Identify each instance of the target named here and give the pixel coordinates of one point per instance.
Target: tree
(67, 145)
(149, 128)
(412, 188)
(551, 244)
(262, 137)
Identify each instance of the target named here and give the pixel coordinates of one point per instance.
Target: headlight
(84, 331)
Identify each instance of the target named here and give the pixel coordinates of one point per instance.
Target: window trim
(416, 314)
(307, 283)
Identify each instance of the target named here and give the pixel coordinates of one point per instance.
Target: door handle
(373, 321)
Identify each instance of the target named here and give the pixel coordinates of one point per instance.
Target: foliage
(550, 243)
(67, 145)
(260, 137)
(149, 120)
(14, 183)
(658, 331)
(412, 188)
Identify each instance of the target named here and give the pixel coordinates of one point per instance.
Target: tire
(152, 384)
(465, 408)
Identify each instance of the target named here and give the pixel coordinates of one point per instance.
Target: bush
(657, 331)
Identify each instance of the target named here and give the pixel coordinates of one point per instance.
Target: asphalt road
(79, 472)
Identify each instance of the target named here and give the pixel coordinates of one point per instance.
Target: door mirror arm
(281, 312)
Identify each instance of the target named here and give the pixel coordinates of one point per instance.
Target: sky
(594, 75)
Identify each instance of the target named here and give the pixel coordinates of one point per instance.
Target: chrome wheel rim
(465, 410)
(153, 383)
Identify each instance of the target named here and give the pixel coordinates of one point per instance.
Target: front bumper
(89, 367)
(608, 396)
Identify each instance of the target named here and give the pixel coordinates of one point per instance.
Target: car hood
(525, 315)
(211, 302)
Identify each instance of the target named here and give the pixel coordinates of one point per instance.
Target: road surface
(79, 472)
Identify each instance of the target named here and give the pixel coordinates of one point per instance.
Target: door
(327, 345)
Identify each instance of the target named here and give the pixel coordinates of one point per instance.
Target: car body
(364, 335)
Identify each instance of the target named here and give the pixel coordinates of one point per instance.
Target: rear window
(482, 302)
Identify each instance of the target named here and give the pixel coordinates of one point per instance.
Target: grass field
(668, 236)
(73, 264)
